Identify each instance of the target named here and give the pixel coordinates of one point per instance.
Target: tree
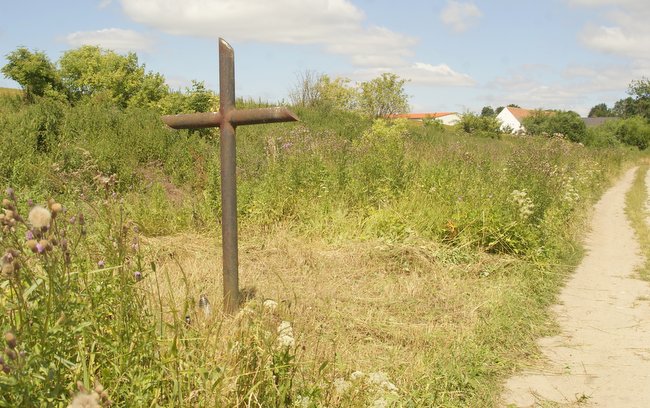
(33, 71)
(624, 108)
(513, 105)
(487, 111)
(600, 111)
(498, 110)
(383, 96)
(306, 92)
(336, 94)
(565, 123)
(634, 131)
(90, 70)
(639, 89)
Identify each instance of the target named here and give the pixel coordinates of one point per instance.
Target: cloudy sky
(458, 55)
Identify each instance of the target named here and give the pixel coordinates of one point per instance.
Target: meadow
(383, 264)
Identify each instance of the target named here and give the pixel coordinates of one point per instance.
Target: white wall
(508, 120)
(450, 119)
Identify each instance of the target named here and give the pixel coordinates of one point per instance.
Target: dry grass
(372, 306)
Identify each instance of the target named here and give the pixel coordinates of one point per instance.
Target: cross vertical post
(227, 119)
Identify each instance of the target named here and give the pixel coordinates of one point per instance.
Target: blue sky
(457, 55)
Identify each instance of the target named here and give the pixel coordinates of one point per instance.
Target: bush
(564, 123)
(634, 131)
(484, 126)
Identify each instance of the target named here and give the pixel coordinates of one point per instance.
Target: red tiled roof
(520, 113)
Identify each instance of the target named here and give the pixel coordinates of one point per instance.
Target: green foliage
(600, 111)
(337, 175)
(90, 70)
(33, 71)
(634, 131)
(558, 123)
(488, 111)
(337, 94)
(383, 96)
(483, 126)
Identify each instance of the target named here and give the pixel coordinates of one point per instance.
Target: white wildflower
(524, 203)
(285, 335)
(270, 305)
(302, 402)
(356, 375)
(341, 385)
(380, 379)
(39, 217)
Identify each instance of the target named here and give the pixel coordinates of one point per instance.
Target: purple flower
(72, 220)
(30, 203)
(137, 275)
(10, 192)
(101, 263)
(29, 235)
(40, 248)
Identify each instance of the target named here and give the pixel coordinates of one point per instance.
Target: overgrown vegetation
(384, 264)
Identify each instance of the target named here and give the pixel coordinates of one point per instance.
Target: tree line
(90, 71)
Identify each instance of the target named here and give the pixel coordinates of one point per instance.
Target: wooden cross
(227, 119)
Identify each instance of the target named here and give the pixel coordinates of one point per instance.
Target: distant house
(446, 118)
(592, 122)
(512, 119)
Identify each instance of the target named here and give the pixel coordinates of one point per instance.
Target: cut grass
(446, 330)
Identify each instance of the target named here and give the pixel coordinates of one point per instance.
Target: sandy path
(602, 356)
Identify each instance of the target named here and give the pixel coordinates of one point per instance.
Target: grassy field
(382, 264)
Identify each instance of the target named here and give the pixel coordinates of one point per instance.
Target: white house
(511, 119)
(446, 118)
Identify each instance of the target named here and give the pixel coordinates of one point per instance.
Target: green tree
(199, 98)
(600, 111)
(624, 108)
(566, 123)
(484, 126)
(639, 90)
(383, 96)
(33, 71)
(91, 70)
(634, 131)
(488, 111)
(337, 93)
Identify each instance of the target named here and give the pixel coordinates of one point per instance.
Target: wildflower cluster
(375, 388)
(523, 202)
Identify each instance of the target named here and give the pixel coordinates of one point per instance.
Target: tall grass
(383, 263)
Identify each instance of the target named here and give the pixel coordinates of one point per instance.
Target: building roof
(591, 122)
(519, 113)
(430, 115)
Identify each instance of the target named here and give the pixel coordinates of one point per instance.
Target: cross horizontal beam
(236, 118)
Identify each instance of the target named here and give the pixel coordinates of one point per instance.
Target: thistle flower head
(39, 217)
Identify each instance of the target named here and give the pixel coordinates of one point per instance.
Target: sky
(457, 55)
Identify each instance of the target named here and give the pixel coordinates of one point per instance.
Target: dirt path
(602, 356)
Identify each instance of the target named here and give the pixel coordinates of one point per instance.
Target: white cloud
(105, 3)
(336, 25)
(625, 31)
(112, 38)
(421, 73)
(460, 16)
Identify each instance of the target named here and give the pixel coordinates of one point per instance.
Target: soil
(601, 358)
